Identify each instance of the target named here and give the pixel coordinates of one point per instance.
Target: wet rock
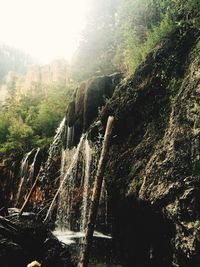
(55, 254)
(155, 156)
(3, 205)
(88, 99)
(25, 241)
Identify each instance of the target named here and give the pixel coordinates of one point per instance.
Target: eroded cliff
(153, 169)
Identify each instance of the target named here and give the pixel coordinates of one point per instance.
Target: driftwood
(84, 257)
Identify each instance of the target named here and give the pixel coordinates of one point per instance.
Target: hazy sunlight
(46, 29)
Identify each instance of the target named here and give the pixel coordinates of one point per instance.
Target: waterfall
(24, 164)
(56, 144)
(54, 149)
(32, 167)
(78, 168)
(11, 179)
(77, 172)
(88, 163)
(66, 176)
(27, 172)
(70, 136)
(74, 194)
(23, 173)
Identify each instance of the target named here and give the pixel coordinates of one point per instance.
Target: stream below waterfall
(70, 237)
(102, 252)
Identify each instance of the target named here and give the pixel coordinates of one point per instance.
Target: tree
(4, 126)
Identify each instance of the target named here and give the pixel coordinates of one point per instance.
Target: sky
(45, 29)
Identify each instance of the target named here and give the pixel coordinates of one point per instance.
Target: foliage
(120, 33)
(4, 128)
(30, 120)
(196, 167)
(118, 36)
(144, 23)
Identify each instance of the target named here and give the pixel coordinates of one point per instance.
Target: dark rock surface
(25, 240)
(88, 99)
(9, 169)
(154, 157)
(17, 175)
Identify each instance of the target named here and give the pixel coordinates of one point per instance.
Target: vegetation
(29, 121)
(118, 37)
(121, 33)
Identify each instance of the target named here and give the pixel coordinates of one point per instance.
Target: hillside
(33, 104)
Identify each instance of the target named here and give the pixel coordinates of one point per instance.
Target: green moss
(173, 87)
(196, 167)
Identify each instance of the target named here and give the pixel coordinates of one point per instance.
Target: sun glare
(45, 29)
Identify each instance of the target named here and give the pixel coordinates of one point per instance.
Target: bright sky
(45, 29)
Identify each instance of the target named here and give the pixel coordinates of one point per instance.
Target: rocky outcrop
(24, 241)
(17, 175)
(36, 79)
(9, 170)
(88, 100)
(153, 174)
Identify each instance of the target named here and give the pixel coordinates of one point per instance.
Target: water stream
(27, 174)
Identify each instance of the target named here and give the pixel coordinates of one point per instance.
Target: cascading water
(23, 174)
(72, 200)
(78, 168)
(11, 179)
(55, 147)
(66, 174)
(27, 173)
(74, 194)
(88, 162)
(70, 137)
(32, 167)
(77, 172)
(77, 175)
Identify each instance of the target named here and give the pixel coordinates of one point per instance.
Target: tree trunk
(84, 258)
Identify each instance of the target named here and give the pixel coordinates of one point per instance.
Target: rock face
(24, 241)
(35, 79)
(153, 172)
(18, 174)
(88, 99)
(9, 170)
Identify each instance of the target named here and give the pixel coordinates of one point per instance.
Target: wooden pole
(84, 257)
(29, 196)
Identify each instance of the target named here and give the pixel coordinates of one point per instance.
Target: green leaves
(32, 119)
(4, 128)
(144, 23)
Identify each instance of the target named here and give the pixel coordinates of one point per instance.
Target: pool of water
(103, 253)
(70, 237)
